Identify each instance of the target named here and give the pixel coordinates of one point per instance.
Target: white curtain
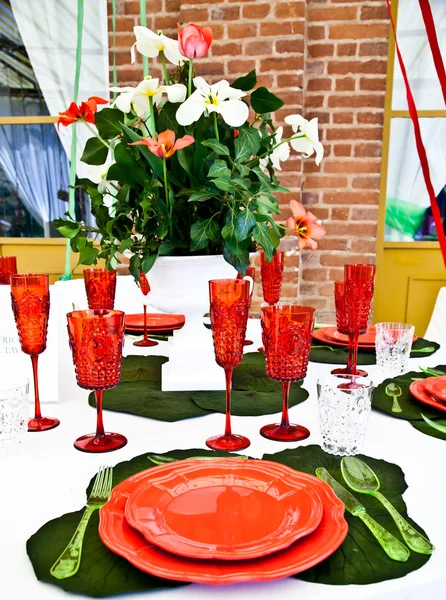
(49, 32)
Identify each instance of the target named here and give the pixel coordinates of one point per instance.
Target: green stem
(217, 136)
(143, 19)
(294, 137)
(152, 128)
(189, 81)
(95, 133)
(166, 191)
(166, 72)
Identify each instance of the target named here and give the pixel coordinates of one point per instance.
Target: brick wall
(325, 59)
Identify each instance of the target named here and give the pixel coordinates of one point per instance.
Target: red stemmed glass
(145, 289)
(353, 301)
(96, 341)
(8, 267)
(286, 331)
(272, 273)
(100, 285)
(250, 272)
(229, 314)
(30, 295)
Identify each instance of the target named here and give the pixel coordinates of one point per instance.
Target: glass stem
(286, 392)
(38, 414)
(228, 376)
(99, 423)
(350, 354)
(355, 353)
(145, 323)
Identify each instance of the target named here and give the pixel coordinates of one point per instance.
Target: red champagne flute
(100, 285)
(272, 274)
(8, 267)
(96, 341)
(30, 295)
(250, 272)
(287, 330)
(145, 289)
(229, 315)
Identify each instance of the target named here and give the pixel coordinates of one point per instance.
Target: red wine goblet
(100, 285)
(8, 267)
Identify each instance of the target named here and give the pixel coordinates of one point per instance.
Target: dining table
(49, 478)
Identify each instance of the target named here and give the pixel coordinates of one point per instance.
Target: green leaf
(201, 195)
(148, 262)
(435, 424)
(154, 161)
(108, 122)
(360, 559)
(245, 83)
(218, 169)
(263, 101)
(228, 231)
(166, 118)
(265, 205)
(95, 153)
(88, 254)
(261, 234)
(236, 256)
(202, 232)
(223, 184)
(135, 266)
(67, 228)
(244, 224)
(216, 146)
(262, 176)
(125, 244)
(246, 143)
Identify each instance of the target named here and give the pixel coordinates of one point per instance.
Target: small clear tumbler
(14, 407)
(393, 346)
(344, 407)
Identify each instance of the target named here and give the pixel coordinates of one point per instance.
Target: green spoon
(362, 479)
(394, 391)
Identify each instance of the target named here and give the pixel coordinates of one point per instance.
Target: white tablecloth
(50, 480)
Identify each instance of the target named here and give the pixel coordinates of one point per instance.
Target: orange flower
(165, 145)
(193, 41)
(304, 225)
(85, 111)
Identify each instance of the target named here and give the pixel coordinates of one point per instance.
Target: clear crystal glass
(14, 405)
(344, 407)
(393, 346)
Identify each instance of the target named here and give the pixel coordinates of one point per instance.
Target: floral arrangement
(179, 166)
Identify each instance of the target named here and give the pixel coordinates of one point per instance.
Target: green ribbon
(71, 198)
(115, 73)
(143, 19)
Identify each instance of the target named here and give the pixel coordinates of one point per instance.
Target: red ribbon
(420, 146)
(433, 42)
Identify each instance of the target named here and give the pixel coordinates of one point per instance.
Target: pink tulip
(304, 225)
(193, 41)
(165, 146)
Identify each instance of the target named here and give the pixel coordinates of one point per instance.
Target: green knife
(391, 546)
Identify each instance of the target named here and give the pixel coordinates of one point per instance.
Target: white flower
(309, 143)
(148, 43)
(110, 201)
(220, 98)
(279, 154)
(98, 173)
(138, 97)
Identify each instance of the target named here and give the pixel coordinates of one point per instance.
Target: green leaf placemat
(337, 355)
(359, 560)
(412, 408)
(139, 392)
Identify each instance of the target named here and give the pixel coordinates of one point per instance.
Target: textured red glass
(286, 332)
(100, 285)
(8, 267)
(272, 273)
(30, 298)
(229, 309)
(145, 289)
(250, 272)
(341, 316)
(96, 341)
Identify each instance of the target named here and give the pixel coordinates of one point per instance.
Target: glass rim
(366, 381)
(303, 309)
(22, 276)
(7, 256)
(91, 313)
(12, 383)
(394, 326)
(98, 270)
(230, 281)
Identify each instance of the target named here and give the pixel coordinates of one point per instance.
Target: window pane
(34, 179)
(408, 212)
(417, 56)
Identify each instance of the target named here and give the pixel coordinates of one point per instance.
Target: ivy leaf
(108, 122)
(246, 143)
(262, 176)
(148, 262)
(228, 231)
(219, 169)
(216, 146)
(201, 196)
(261, 234)
(265, 205)
(263, 101)
(236, 256)
(244, 224)
(88, 254)
(67, 228)
(245, 83)
(95, 153)
(223, 184)
(135, 266)
(202, 232)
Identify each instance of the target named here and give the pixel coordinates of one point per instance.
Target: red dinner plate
(125, 541)
(224, 509)
(366, 339)
(154, 321)
(419, 391)
(319, 335)
(437, 387)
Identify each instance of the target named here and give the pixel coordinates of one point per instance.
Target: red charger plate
(437, 387)
(122, 539)
(154, 321)
(217, 509)
(366, 339)
(320, 336)
(419, 391)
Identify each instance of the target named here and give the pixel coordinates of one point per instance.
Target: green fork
(69, 561)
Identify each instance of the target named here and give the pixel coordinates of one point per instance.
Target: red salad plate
(224, 509)
(321, 336)
(366, 339)
(437, 387)
(122, 539)
(419, 391)
(154, 321)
